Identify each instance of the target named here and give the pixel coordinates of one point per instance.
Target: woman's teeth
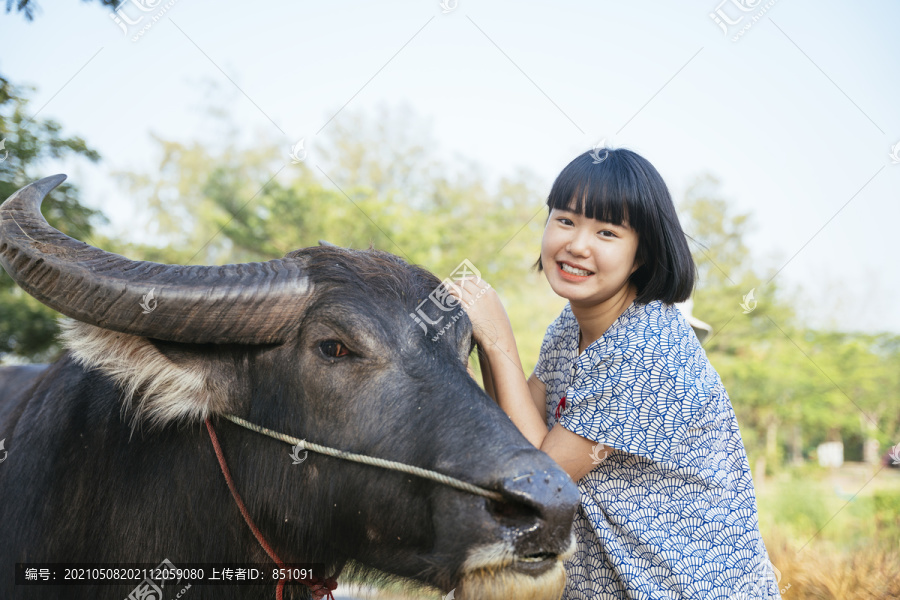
(574, 270)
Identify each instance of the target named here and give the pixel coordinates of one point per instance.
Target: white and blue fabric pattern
(670, 512)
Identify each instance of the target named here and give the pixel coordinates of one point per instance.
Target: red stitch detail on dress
(560, 407)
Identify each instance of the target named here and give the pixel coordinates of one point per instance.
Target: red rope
(320, 588)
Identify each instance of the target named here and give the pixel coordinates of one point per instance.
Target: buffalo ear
(161, 382)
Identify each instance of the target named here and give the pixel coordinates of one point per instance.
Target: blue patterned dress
(670, 512)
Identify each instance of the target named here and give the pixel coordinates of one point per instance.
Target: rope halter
(322, 588)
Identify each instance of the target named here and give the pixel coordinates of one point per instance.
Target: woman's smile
(573, 272)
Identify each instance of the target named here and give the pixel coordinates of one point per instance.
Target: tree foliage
(784, 379)
(27, 327)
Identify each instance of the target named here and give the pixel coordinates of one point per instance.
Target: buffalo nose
(539, 503)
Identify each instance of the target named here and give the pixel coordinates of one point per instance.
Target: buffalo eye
(333, 349)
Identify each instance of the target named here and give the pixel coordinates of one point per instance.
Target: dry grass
(822, 571)
(834, 534)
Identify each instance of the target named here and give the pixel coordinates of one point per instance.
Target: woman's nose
(578, 244)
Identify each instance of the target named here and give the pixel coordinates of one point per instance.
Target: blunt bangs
(625, 189)
(593, 191)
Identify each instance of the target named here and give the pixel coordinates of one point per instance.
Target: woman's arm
(535, 386)
(486, 376)
(521, 399)
(538, 395)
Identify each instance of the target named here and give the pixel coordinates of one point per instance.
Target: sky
(792, 105)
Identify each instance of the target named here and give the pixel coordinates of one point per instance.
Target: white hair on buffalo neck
(155, 389)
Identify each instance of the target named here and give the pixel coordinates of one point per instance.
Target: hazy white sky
(797, 117)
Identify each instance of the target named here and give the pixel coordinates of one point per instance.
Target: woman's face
(587, 261)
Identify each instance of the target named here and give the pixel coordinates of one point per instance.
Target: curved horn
(252, 303)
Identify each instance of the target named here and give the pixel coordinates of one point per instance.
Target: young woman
(625, 400)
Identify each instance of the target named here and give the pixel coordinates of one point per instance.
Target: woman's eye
(565, 221)
(333, 349)
(606, 233)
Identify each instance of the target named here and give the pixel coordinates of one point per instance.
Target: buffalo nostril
(511, 513)
(536, 499)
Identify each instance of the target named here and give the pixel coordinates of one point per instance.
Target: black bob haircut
(624, 188)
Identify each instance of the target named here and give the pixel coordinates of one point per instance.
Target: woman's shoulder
(652, 319)
(562, 325)
(652, 325)
(559, 332)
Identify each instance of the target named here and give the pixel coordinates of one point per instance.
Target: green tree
(792, 387)
(768, 378)
(27, 327)
(228, 202)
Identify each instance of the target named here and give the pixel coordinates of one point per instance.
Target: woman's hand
(490, 324)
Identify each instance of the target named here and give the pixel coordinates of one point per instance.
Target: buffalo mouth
(535, 564)
(497, 572)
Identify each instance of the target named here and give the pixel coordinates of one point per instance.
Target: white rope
(369, 460)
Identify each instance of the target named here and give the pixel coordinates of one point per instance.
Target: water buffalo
(109, 459)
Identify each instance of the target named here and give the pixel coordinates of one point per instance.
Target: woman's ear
(638, 263)
(639, 258)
